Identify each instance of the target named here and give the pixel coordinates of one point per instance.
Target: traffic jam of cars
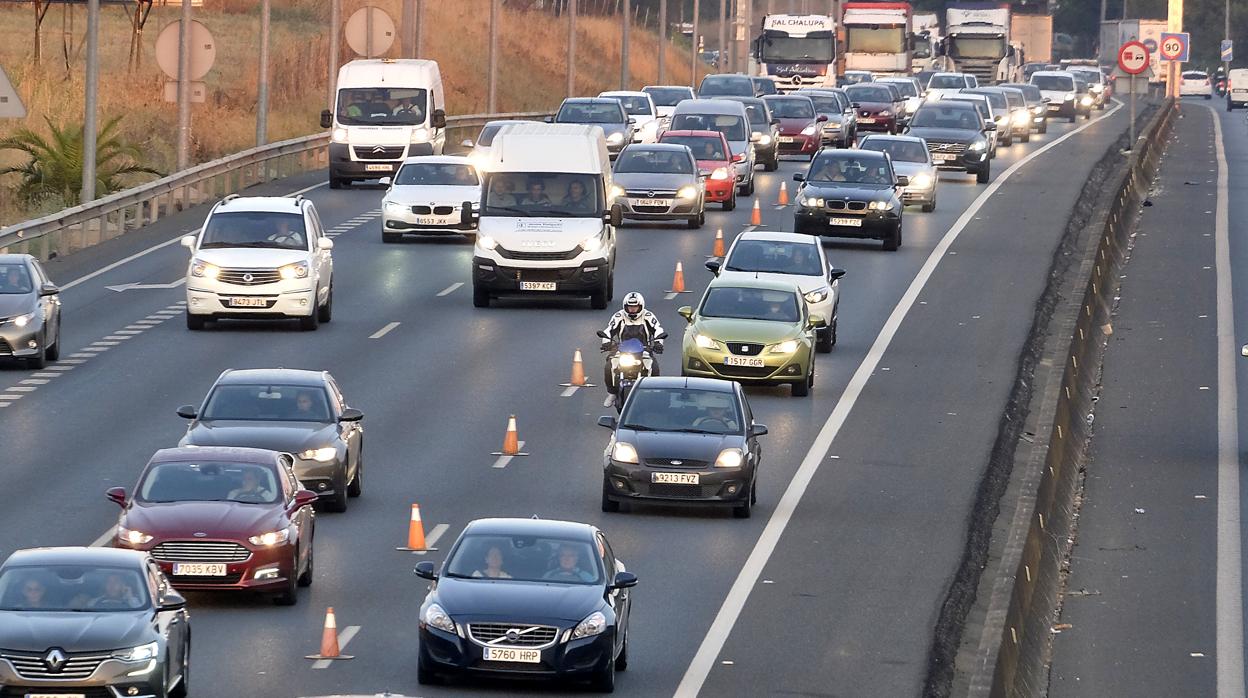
(233, 507)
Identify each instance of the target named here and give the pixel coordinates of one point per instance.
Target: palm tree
(53, 169)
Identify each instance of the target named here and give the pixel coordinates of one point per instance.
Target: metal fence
(73, 229)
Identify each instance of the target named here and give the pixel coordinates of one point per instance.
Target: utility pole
(662, 37)
(571, 47)
(335, 32)
(406, 20)
(93, 88)
(1103, 8)
(626, 19)
(721, 62)
(184, 87)
(491, 100)
(1226, 34)
(693, 48)
(418, 23)
(262, 90)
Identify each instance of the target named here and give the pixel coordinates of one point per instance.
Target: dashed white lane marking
(81, 356)
(102, 344)
(569, 391)
(432, 539)
(72, 361)
(104, 538)
(344, 637)
(10, 397)
(670, 295)
(383, 331)
(36, 381)
(450, 289)
(21, 389)
(117, 337)
(45, 374)
(504, 460)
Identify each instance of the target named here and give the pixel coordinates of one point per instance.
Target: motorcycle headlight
(615, 139)
(687, 192)
(720, 173)
(812, 202)
(23, 320)
(921, 180)
(420, 135)
(809, 130)
(786, 347)
(978, 146)
(818, 295)
(729, 458)
(298, 270)
(1098, 88)
(629, 361)
(132, 536)
(270, 539)
(594, 624)
(623, 452)
(486, 242)
(142, 653)
(705, 342)
(320, 455)
(204, 270)
(617, 192)
(1086, 100)
(436, 617)
(338, 135)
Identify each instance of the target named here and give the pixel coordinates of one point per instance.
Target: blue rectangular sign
(1227, 50)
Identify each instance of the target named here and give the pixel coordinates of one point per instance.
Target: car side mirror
(467, 216)
(351, 415)
(990, 126)
(799, 177)
(624, 580)
(1243, 351)
(821, 118)
(439, 119)
(686, 312)
(834, 274)
(117, 495)
(303, 498)
(775, 122)
(608, 421)
(758, 430)
(325, 244)
(188, 241)
(172, 601)
(188, 412)
(49, 289)
(901, 181)
(704, 173)
(713, 265)
(327, 118)
(548, 119)
(632, 121)
(426, 570)
(467, 143)
(385, 181)
(855, 105)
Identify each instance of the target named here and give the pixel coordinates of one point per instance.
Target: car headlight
(1022, 118)
(270, 539)
(786, 347)
(1002, 121)
(818, 295)
(321, 455)
(338, 135)
(420, 135)
(1070, 97)
(1086, 100)
(436, 617)
(298, 270)
(204, 270)
(809, 130)
(705, 342)
(1038, 111)
(880, 206)
(628, 360)
(764, 139)
(1098, 88)
(623, 452)
(978, 146)
(615, 139)
(132, 536)
(812, 202)
(687, 192)
(832, 126)
(921, 180)
(932, 97)
(394, 207)
(593, 625)
(720, 173)
(142, 653)
(617, 192)
(486, 242)
(886, 112)
(24, 320)
(729, 458)
(592, 243)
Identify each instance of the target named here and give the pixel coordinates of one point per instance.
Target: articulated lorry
(877, 37)
(797, 51)
(977, 41)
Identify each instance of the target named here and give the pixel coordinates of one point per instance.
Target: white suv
(260, 257)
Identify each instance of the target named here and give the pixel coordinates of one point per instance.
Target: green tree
(53, 166)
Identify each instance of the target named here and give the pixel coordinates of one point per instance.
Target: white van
(1237, 88)
(386, 110)
(546, 220)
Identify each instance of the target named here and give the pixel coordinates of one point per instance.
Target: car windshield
(713, 86)
(937, 115)
(524, 558)
(775, 257)
(15, 279)
(703, 147)
(73, 588)
(488, 132)
(777, 47)
(869, 93)
(875, 39)
(269, 229)
(1194, 75)
(905, 87)
(682, 410)
(1095, 77)
(437, 174)
(245, 483)
(634, 105)
(827, 103)
(591, 113)
(267, 403)
(792, 108)
(1053, 83)
(996, 99)
(757, 114)
(947, 82)
(1030, 92)
(856, 77)
(898, 150)
(750, 304)
(668, 96)
(732, 126)
(835, 167)
(992, 47)
(663, 161)
(381, 106)
(764, 86)
(542, 195)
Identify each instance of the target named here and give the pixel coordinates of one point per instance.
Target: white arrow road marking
(131, 287)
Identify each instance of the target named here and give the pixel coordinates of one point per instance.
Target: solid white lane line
(383, 331)
(432, 538)
(104, 538)
(747, 579)
(504, 460)
(450, 289)
(344, 637)
(1229, 601)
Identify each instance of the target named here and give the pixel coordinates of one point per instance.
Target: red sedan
(879, 106)
(221, 518)
(800, 125)
(714, 157)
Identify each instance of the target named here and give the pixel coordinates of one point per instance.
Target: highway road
(832, 587)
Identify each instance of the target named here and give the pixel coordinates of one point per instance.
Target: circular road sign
(203, 50)
(1171, 48)
(357, 31)
(1133, 58)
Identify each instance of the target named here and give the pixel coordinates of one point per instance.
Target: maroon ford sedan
(801, 128)
(879, 106)
(220, 518)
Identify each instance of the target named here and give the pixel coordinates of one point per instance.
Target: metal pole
(262, 91)
(93, 88)
(418, 22)
(335, 32)
(368, 31)
(1226, 34)
(627, 20)
(662, 37)
(571, 47)
(491, 100)
(184, 87)
(1131, 86)
(405, 28)
(720, 62)
(693, 48)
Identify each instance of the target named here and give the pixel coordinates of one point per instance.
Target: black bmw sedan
(683, 440)
(852, 194)
(526, 598)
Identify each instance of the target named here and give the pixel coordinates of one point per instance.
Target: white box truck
(797, 51)
(1033, 34)
(977, 41)
(877, 37)
(384, 111)
(547, 217)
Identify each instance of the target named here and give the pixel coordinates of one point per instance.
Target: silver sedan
(912, 161)
(30, 311)
(659, 181)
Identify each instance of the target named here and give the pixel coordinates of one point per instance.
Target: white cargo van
(385, 111)
(547, 221)
(1237, 89)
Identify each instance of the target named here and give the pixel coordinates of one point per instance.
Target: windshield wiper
(508, 209)
(453, 575)
(695, 430)
(637, 427)
(262, 245)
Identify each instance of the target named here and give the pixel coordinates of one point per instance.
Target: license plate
(378, 168)
(249, 302)
(537, 285)
(651, 202)
(674, 478)
(866, 120)
(56, 695)
(787, 139)
(508, 654)
(1055, 107)
(431, 221)
(943, 157)
(750, 361)
(848, 222)
(198, 569)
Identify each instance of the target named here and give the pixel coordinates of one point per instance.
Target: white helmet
(634, 305)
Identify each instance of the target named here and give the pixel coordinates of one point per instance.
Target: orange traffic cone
(329, 639)
(678, 281)
(511, 440)
(416, 533)
(756, 216)
(578, 373)
(784, 194)
(718, 250)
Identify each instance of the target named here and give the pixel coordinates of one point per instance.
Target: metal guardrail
(77, 228)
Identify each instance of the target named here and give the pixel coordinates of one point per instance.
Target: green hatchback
(752, 331)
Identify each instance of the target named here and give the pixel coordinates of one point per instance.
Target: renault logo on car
(55, 659)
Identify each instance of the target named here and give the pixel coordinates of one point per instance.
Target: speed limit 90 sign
(1174, 46)
(1133, 58)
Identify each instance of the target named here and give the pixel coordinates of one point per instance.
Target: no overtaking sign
(1133, 58)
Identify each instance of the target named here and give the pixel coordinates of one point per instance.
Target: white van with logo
(385, 111)
(546, 220)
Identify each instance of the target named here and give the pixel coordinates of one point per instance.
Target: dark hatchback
(91, 622)
(685, 441)
(956, 136)
(526, 598)
(852, 194)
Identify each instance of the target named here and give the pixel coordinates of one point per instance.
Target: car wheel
(1207, 98)
(326, 312)
(425, 675)
(823, 340)
(929, 206)
(289, 596)
(1044, 127)
(984, 174)
(621, 662)
(391, 237)
(183, 689)
(39, 360)
(1026, 138)
(598, 299)
(773, 164)
(745, 508)
(195, 322)
(1074, 117)
(731, 203)
(356, 487)
(604, 680)
(893, 241)
(608, 505)
(311, 322)
(696, 221)
(305, 579)
(335, 182)
(1230, 106)
(54, 351)
(339, 503)
(480, 297)
(754, 492)
(802, 389)
(611, 284)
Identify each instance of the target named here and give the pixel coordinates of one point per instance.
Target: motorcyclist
(632, 321)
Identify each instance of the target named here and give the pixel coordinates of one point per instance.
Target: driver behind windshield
(251, 489)
(577, 198)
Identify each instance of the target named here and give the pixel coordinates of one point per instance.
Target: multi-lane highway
(833, 586)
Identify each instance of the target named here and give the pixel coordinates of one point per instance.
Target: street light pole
(262, 84)
(184, 87)
(625, 18)
(491, 99)
(693, 47)
(571, 47)
(335, 31)
(89, 119)
(662, 37)
(720, 60)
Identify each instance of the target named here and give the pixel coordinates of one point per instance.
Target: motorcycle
(633, 360)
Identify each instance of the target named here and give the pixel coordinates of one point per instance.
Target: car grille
(86, 691)
(651, 193)
(745, 349)
(526, 635)
(945, 147)
(677, 463)
(911, 196)
(30, 665)
(249, 277)
(435, 210)
(744, 371)
(836, 205)
(227, 580)
(538, 256)
(389, 152)
(5, 349)
(200, 551)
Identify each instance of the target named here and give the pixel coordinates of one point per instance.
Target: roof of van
(539, 147)
(709, 106)
(401, 72)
